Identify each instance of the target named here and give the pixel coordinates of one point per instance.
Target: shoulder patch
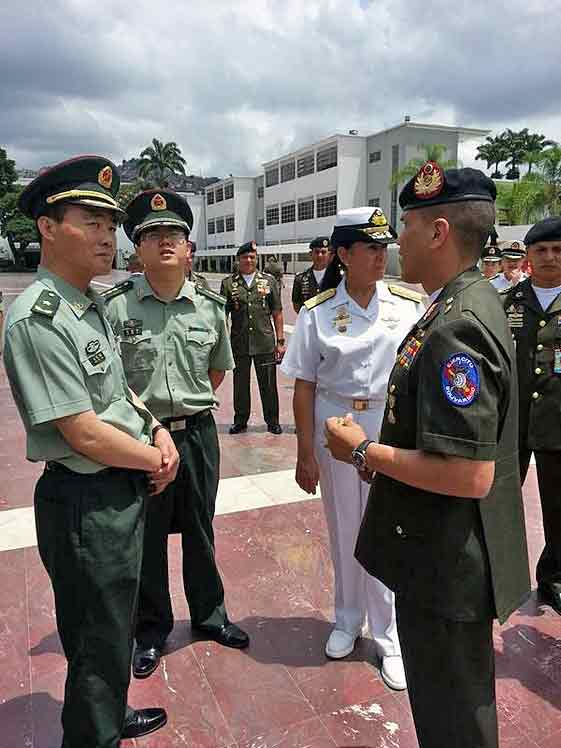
(459, 379)
(210, 294)
(47, 304)
(405, 293)
(117, 290)
(320, 298)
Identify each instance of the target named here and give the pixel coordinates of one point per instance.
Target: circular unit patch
(459, 378)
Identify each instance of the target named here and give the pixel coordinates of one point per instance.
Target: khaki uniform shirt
(537, 336)
(452, 391)
(168, 347)
(251, 308)
(62, 358)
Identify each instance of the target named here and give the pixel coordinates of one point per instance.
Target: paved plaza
(273, 552)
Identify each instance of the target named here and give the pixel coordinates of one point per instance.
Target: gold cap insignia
(158, 202)
(253, 245)
(515, 245)
(378, 218)
(325, 243)
(105, 177)
(429, 180)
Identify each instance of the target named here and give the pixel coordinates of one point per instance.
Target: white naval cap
(362, 224)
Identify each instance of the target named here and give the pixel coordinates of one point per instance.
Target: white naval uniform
(501, 282)
(347, 364)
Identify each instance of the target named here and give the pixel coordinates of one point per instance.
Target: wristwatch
(358, 455)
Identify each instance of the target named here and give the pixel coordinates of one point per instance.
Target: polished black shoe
(229, 635)
(238, 428)
(145, 661)
(143, 722)
(274, 428)
(550, 595)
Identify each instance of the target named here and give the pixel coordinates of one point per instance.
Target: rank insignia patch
(93, 347)
(459, 378)
(429, 180)
(132, 328)
(158, 202)
(105, 177)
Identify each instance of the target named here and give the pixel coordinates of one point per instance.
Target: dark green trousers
(267, 381)
(186, 506)
(89, 532)
(450, 670)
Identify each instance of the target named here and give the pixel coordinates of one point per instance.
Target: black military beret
(91, 181)
(247, 247)
(433, 186)
(157, 208)
(319, 242)
(548, 230)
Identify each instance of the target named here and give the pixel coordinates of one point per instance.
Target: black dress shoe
(145, 661)
(228, 635)
(550, 595)
(238, 428)
(143, 722)
(274, 429)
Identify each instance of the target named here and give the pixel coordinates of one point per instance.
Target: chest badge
(459, 378)
(92, 347)
(515, 315)
(342, 319)
(408, 352)
(132, 328)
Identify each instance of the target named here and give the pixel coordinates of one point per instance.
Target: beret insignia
(158, 202)
(105, 177)
(429, 181)
(325, 243)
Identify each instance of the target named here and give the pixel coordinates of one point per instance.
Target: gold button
(539, 347)
(399, 530)
(392, 388)
(450, 300)
(535, 395)
(543, 323)
(537, 371)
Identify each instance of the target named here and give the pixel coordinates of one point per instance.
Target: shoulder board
(117, 290)
(320, 298)
(210, 294)
(268, 276)
(47, 304)
(405, 293)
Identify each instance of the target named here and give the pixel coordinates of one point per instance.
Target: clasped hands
(161, 478)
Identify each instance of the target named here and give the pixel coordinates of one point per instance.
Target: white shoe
(340, 644)
(393, 673)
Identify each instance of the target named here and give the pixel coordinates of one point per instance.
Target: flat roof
(475, 131)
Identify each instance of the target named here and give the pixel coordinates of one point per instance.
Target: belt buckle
(178, 425)
(360, 404)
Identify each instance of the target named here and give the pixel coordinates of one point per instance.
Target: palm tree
(432, 153)
(548, 164)
(494, 152)
(524, 201)
(515, 143)
(159, 161)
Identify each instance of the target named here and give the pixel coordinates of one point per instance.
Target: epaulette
(47, 304)
(320, 298)
(210, 294)
(405, 293)
(117, 290)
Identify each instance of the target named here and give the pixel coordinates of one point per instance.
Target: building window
(395, 168)
(260, 192)
(326, 158)
(229, 223)
(219, 225)
(375, 157)
(326, 206)
(219, 194)
(288, 213)
(288, 171)
(374, 202)
(210, 198)
(272, 176)
(260, 224)
(211, 228)
(306, 209)
(305, 164)
(228, 191)
(272, 215)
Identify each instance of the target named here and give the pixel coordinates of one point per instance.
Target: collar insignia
(429, 181)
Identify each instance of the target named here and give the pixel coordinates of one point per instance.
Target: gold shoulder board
(320, 298)
(405, 293)
(117, 290)
(210, 294)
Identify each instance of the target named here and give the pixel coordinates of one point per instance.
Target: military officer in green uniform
(98, 442)
(175, 350)
(533, 309)
(444, 526)
(274, 268)
(252, 300)
(307, 284)
(197, 278)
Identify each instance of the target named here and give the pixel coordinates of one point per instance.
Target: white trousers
(344, 498)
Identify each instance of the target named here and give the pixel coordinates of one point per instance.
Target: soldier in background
(491, 262)
(189, 273)
(274, 268)
(306, 284)
(513, 255)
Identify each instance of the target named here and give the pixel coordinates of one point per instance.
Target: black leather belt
(180, 423)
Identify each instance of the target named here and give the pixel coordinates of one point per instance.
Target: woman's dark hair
(334, 271)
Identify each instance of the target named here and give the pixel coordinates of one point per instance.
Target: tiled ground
(282, 691)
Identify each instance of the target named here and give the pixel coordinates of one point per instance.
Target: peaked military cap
(319, 242)
(247, 247)
(362, 225)
(433, 186)
(491, 254)
(513, 250)
(91, 181)
(157, 208)
(548, 230)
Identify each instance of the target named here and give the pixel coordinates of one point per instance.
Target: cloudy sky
(236, 83)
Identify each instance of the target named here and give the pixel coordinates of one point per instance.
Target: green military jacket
(275, 269)
(453, 391)
(304, 287)
(250, 309)
(168, 348)
(537, 337)
(62, 358)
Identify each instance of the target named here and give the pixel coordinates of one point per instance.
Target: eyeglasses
(174, 235)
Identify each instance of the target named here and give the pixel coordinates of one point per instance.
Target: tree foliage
(537, 194)
(8, 174)
(128, 192)
(513, 149)
(433, 152)
(19, 230)
(159, 161)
